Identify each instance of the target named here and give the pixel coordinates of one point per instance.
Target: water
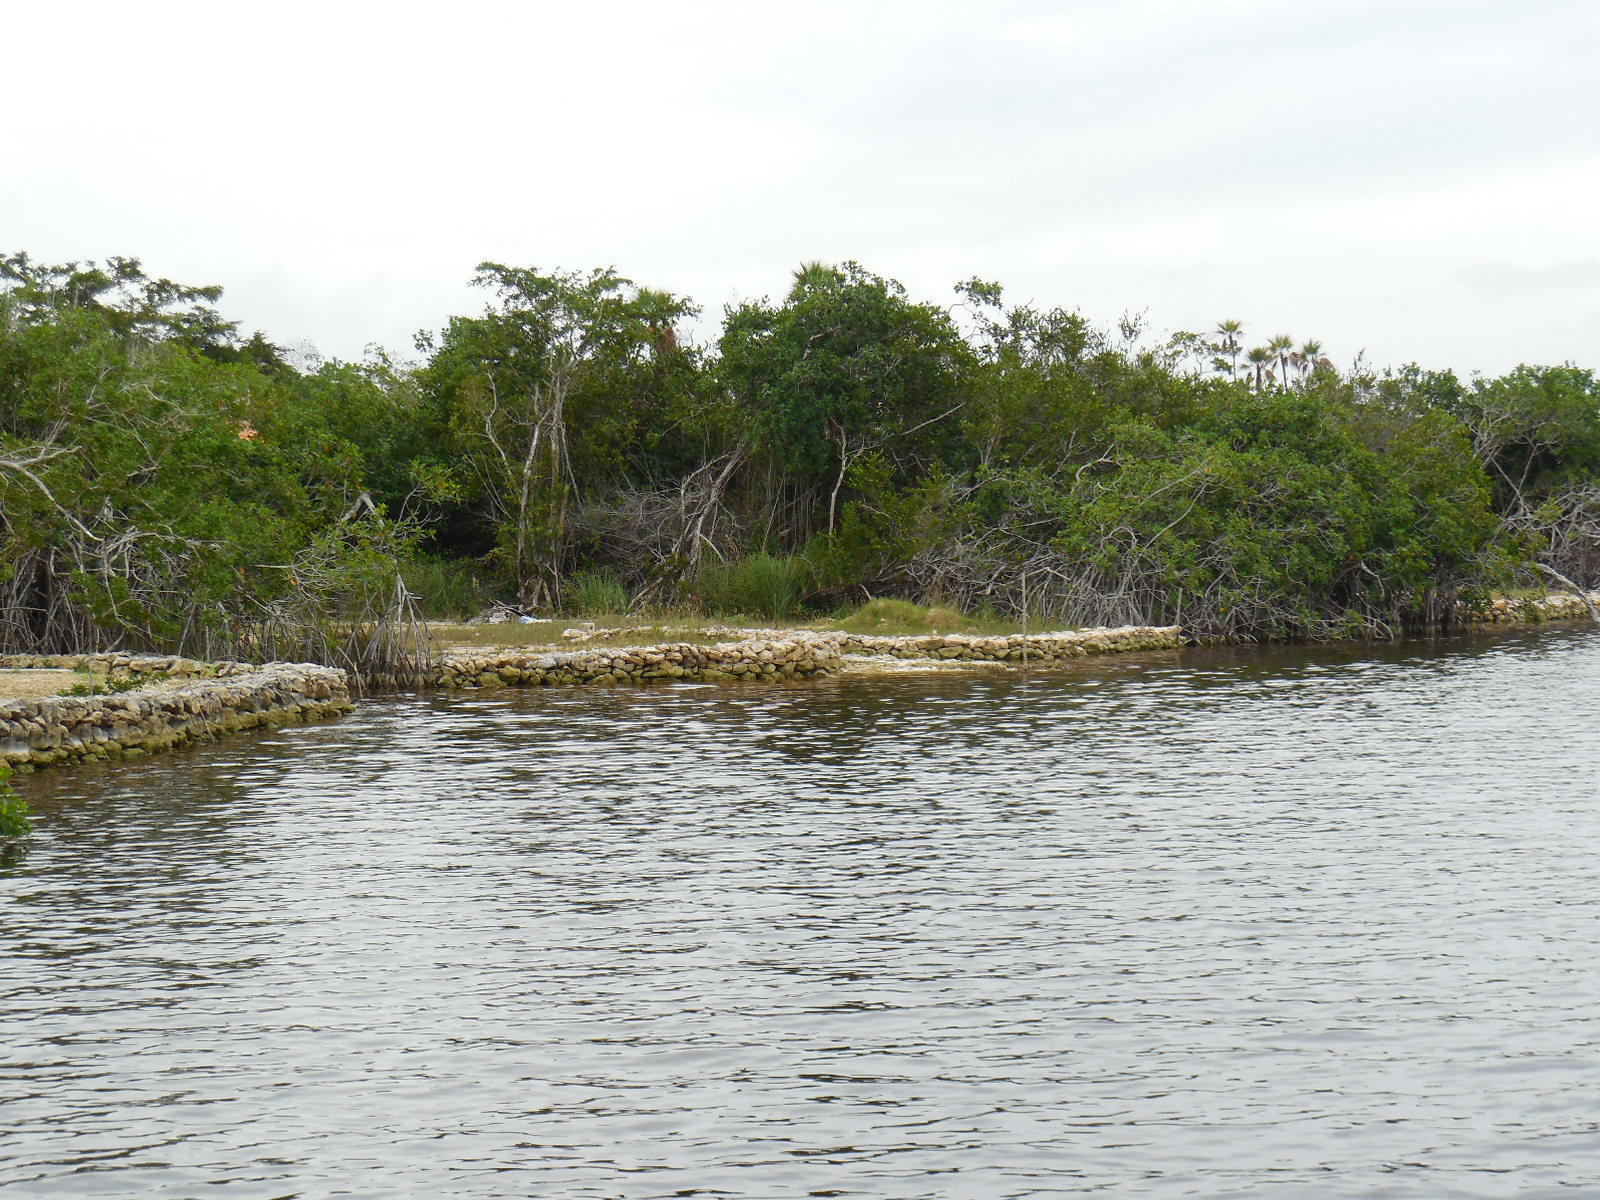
(1319, 923)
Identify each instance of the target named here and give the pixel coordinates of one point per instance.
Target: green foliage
(168, 484)
(846, 366)
(553, 385)
(124, 299)
(1535, 427)
(591, 593)
(446, 588)
(761, 585)
(1284, 512)
(105, 686)
(891, 618)
(14, 823)
(150, 484)
(885, 528)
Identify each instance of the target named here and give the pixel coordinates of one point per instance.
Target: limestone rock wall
(1019, 648)
(756, 659)
(194, 706)
(795, 654)
(128, 666)
(1531, 610)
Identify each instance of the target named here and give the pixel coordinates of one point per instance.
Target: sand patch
(36, 684)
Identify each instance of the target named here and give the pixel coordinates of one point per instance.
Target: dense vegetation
(166, 482)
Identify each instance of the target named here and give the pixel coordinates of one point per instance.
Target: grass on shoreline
(881, 618)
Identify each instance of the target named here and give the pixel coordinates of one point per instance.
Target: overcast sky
(1419, 179)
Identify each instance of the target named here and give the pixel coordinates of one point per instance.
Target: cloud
(1354, 171)
(1535, 277)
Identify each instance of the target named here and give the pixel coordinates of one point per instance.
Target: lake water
(1293, 923)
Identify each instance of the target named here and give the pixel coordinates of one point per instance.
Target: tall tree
(1260, 358)
(846, 367)
(1309, 359)
(131, 303)
(1228, 334)
(1281, 347)
(515, 378)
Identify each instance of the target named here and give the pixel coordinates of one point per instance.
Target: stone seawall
(183, 701)
(792, 655)
(761, 658)
(128, 666)
(1534, 610)
(1018, 648)
(180, 700)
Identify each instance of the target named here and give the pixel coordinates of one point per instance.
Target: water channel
(1315, 922)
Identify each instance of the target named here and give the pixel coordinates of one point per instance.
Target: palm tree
(1258, 358)
(1279, 347)
(1228, 333)
(1310, 358)
(658, 312)
(812, 276)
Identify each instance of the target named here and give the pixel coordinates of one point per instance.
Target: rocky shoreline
(176, 700)
(1536, 610)
(173, 701)
(788, 654)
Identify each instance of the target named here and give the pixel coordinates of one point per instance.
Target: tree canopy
(164, 478)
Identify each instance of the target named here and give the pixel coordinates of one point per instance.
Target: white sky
(1419, 179)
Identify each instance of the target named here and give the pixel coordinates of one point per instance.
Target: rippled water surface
(1319, 923)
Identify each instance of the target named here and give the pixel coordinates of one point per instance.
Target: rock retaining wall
(200, 701)
(762, 658)
(1533, 610)
(127, 666)
(794, 655)
(1018, 647)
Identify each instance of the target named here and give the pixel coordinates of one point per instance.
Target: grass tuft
(762, 585)
(448, 589)
(594, 593)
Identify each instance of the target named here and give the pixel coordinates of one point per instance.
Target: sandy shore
(36, 685)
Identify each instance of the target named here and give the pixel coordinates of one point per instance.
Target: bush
(891, 618)
(447, 588)
(876, 616)
(588, 593)
(105, 685)
(761, 585)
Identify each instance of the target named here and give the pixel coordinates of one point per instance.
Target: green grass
(648, 629)
(447, 589)
(767, 586)
(591, 593)
(105, 685)
(901, 618)
(892, 618)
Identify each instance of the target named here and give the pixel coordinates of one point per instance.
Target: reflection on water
(1315, 922)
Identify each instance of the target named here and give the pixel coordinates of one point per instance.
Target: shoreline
(167, 700)
(174, 701)
(786, 654)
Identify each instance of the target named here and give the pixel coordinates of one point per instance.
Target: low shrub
(446, 589)
(763, 585)
(590, 593)
(105, 686)
(889, 618)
